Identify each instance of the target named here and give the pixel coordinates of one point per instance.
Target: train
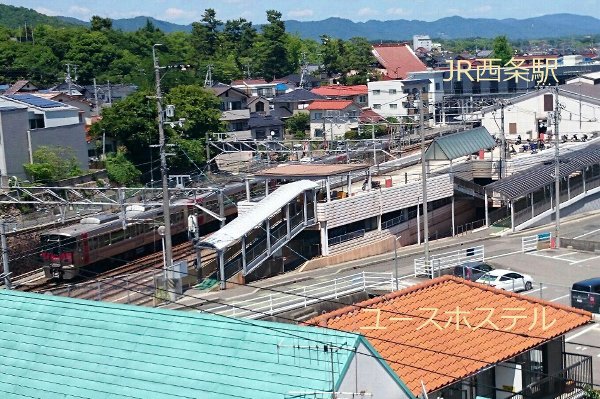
(101, 239)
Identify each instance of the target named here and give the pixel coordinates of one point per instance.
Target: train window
(117, 236)
(104, 240)
(93, 243)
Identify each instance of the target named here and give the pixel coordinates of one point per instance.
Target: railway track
(147, 264)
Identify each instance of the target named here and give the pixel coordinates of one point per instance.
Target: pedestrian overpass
(250, 239)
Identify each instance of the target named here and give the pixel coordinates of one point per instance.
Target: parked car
(586, 295)
(507, 280)
(472, 270)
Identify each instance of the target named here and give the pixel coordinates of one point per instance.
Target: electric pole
(69, 79)
(503, 142)
(163, 166)
(5, 255)
(96, 98)
(423, 179)
(557, 169)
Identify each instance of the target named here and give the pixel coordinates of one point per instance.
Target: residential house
(265, 127)
(257, 87)
(56, 346)
(259, 104)
(458, 339)
(21, 86)
(107, 93)
(308, 82)
(231, 98)
(295, 101)
(28, 122)
(397, 60)
(357, 94)
(396, 98)
(331, 119)
(237, 121)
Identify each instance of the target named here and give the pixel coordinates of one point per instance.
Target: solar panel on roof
(35, 101)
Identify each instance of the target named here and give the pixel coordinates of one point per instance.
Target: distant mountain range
(547, 26)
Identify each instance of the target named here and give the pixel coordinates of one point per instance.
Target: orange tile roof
(398, 59)
(329, 104)
(418, 350)
(341, 91)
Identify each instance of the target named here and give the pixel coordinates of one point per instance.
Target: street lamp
(396, 259)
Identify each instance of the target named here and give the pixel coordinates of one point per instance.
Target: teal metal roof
(458, 145)
(56, 347)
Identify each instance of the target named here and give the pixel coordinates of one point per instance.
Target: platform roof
(242, 225)
(460, 144)
(58, 347)
(532, 179)
(310, 171)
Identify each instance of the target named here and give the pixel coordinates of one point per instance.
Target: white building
(423, 41)
(396, 98)
(531, 114)
(331, 119)
(28, 122)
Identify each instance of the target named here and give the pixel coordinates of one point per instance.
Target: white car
(507, 280)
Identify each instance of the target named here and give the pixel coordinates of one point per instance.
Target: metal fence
(346, 237)
(536, 242)
(302, 297)
(438, 263)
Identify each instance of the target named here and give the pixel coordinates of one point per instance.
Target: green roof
(57, 347)
(460, 144)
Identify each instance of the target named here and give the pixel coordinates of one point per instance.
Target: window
(317, 115)
(376, 92)
(37, 122)
(362, 99)
(512, 128)
(260, 107)
(318, 132)
(437, 86)
(392, 91)
(548, 100)
(376, 106)
(393, 106)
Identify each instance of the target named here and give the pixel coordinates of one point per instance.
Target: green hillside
(14, 17)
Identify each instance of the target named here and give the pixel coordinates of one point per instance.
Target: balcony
(569, 383)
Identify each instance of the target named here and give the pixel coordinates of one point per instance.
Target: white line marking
(588, 233)
(585, 260)
(585, 330)
(577, 348)
(565, 254)
(584, 348)
(560, 297)
(536, 290)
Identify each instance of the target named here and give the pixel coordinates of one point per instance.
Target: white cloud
(83, 13)
(400, 12)
(174, 12)
(46, 11)
(307, 12)
(482, 10)
(366, 12)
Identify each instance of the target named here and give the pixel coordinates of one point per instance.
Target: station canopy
(242, 225)
(537, 177)
(309, 171)
(460, 144)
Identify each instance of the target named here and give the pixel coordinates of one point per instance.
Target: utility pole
(69, 79)
(97, 111)
(423, 179)
(374, 149)
(163, 166)
(5, 255)
(208, 82)
(557, 169)
(503, 142)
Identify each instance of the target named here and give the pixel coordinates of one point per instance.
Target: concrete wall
(61, 117)
(581, 245)
(367, 374)
(72, 136)
(15, 148)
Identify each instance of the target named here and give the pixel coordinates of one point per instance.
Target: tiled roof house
(417, 332)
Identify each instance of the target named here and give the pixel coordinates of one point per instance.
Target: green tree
(199, 108)
(121, 170)
(502, 49)
(298, 124)
(98, 23)
(274, 61)
(205, 34)
(51, 163)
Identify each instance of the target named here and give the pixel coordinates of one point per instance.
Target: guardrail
(346, 237)
(448, 260)
(302, 297)
(536, 242)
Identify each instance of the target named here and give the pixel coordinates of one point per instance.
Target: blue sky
(186, 11)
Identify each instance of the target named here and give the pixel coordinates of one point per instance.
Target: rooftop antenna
(247, 71)
(208, 82)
